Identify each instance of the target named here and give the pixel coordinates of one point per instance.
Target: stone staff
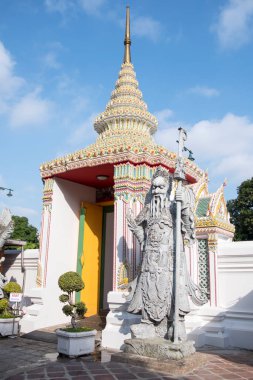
(179, 175)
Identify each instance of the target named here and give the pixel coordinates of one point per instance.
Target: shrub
(81, 309)
(6, 314)
(12, 287)
(71, 282)
(68, 310)
(64, 298)
(3, 305)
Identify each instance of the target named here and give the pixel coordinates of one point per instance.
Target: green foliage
(25, 231)
(68, 310)
(64, 297)
(80, 309)
(77, 329)
(12, 287)
(3, 305)
(241, 211)
(70, 282)
(5, 309)
(6, 314)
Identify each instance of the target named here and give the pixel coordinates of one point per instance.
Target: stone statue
(3, 281)
(6, 226)
(153, 290)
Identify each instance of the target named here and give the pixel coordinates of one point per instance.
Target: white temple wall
(235, 272)
(60, 253)
(230, 322)
(12, 267)
(67, 197)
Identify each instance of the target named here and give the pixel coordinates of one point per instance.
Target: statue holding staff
(161, 289)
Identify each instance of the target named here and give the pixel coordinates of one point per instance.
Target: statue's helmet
(161, 173)
(160, 182)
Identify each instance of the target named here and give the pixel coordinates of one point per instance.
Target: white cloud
(31, 110)
(223, 146)
(143, 26)
(82, 133)
(80, 104)
(60, 6)
(237, 166)
(50, 60)
(18, 210)
(204, 91)
(164, 115)
(9, 82)
(146, 27)
(235, 24)
(167, 133)
(20, 107)
(92, 7)
(51, 57)
(220, 138)
(23, 211)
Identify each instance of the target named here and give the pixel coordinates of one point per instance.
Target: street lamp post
(9, 194)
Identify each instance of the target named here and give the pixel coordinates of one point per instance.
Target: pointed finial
(127, 41)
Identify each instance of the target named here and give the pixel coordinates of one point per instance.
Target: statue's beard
(158, 202)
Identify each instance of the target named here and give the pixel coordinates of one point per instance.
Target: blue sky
(59, 60)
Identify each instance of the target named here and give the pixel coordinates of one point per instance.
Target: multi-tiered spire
(125, 130)
(126, 110)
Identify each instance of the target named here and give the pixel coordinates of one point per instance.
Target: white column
(212, 249)
(45, 232)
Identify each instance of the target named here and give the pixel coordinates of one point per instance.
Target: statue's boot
(143, 330)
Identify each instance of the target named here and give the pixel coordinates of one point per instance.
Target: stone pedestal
(159, 348)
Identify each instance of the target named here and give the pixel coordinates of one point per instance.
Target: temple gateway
(86, 197)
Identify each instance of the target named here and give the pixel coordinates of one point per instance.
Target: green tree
(241, 211)
(25, 231)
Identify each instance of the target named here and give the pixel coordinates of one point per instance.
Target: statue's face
(159, 187)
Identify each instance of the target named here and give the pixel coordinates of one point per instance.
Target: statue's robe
(153, 293)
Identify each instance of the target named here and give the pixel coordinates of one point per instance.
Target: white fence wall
(12, 267)
(230, 324)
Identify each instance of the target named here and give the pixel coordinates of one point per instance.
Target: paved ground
(27, 359)
(34, 356)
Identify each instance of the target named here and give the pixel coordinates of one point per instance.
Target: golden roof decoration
(125, 130)
(126, 103)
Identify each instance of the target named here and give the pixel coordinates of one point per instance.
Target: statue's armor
(153, 294)
(157, 267)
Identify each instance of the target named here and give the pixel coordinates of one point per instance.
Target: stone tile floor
(25, 359)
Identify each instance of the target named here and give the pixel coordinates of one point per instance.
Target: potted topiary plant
(74, 340)
(8, 319)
